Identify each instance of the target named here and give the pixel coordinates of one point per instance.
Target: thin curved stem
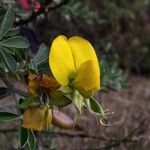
(39, 12)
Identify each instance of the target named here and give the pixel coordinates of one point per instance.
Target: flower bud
(62, 120)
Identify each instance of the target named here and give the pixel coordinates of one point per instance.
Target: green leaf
(33, 66)
(8, 50)
(12, 32)
(42, 54)
(4, 92)
(2, 72)
(94, 107)
(9, 61)
(20, 53)
(15, 42)
(65, 89)
(78, 101)
(7, 116)
(29, 101)
(31, 140)
(60, 102)
(7, 22)
(23, 136)
(44, 68)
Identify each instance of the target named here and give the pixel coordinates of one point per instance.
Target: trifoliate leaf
(9, 61)
(42, 54)
(15, 42)
(7, 22)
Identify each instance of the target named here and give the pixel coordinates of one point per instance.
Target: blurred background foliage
(122, 24)
(119, 31)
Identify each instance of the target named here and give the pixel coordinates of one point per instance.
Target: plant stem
(40, 11)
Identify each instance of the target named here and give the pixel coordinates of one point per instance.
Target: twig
(39, 12)
(34, 15)
(115, 142)
(58, 133)
(77, 134)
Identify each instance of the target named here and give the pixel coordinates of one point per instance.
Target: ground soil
(131, 108)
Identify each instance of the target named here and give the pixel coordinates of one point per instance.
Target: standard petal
(82, 51)
(87, 80)
(61, 60)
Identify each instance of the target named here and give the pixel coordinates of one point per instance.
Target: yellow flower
(37, 118)
(74, 62)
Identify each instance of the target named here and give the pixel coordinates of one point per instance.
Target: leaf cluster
(11, 45)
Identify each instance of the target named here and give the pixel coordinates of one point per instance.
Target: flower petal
(33, 85)
(87, 80)
(61, 60)
(33, 118)
(82, 51)
(47, 119)
(37, 118)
